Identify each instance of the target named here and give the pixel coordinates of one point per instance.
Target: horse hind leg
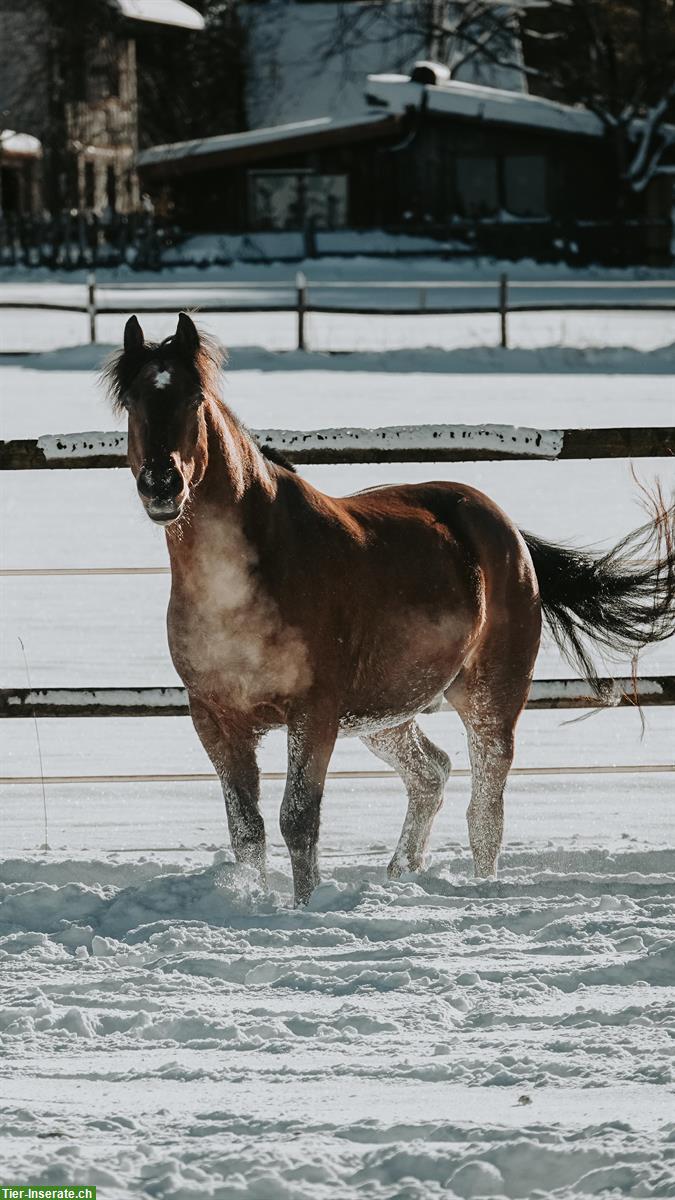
(424, 769)
(491, 755)
(489, 713)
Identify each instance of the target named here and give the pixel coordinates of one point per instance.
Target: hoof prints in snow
(433, 1036)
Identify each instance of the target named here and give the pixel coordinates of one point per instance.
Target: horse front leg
(232, 751)
(310, 745)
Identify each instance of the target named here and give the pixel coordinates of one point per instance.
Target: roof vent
(430, 73)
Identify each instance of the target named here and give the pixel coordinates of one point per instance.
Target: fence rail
(656, 690)
(442, 443)
(297, 299)
(396, 443)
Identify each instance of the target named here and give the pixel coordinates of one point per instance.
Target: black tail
(621, 600)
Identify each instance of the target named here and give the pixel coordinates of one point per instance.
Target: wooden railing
(442, 443)
(390, 444)
(172, 701)
(297, 297)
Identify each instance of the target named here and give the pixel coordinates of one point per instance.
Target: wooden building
(20, 172)
(510, 173)
(68, 78)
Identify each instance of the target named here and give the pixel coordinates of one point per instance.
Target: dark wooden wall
(413, 180)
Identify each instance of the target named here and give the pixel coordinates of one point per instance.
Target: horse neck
(235, 479)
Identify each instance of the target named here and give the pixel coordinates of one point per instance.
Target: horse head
(162, 387)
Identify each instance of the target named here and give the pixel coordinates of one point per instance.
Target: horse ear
(186, 337)
(133, 336)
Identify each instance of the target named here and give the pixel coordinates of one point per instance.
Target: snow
(82, 445)
(496, 439)
(162, 12)
(358, 256)
(474, 100)
(158, 697)
(221, 143)
(602, 342)
(499, 439)
(541, 690)
(179, 1031)
(22, 144)
(170, 1030)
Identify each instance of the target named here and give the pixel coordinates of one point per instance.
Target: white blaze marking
(162, 379)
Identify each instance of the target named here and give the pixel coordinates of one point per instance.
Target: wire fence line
(42, 572)
(280, 776)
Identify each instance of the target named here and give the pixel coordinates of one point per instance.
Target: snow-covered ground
(355, 282)
(170, 1031)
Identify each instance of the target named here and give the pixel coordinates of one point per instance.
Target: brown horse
(328, 616)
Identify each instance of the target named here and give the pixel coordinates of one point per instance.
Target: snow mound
(144, 898)
(586, 360)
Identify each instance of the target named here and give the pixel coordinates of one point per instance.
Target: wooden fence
(443, 443)
(397, 443)
(172, 701)
(297, 299)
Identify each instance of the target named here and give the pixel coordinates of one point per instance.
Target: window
(477, 184)
(525, 185)
(294, 199)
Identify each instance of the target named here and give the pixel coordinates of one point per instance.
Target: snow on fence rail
(296, 298)
(172, 701)
(394, 443)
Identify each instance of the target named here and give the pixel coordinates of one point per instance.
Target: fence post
(503, 308)
(301, 285)
(91, 306)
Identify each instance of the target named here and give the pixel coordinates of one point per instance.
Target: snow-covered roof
(23, 145)
(229, 143)
(162, 12)
(398, 93)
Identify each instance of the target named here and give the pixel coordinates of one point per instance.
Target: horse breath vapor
(235, 645)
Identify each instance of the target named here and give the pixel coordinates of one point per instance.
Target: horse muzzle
(163, 512)
(163, 494)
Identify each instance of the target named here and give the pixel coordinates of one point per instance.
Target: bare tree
(615, 57)
(454, 32)
(191, 84)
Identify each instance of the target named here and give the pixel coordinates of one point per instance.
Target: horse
(351, 616)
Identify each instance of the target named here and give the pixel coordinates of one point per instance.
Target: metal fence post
(503, 308)
(91, 306)
(301, 285)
